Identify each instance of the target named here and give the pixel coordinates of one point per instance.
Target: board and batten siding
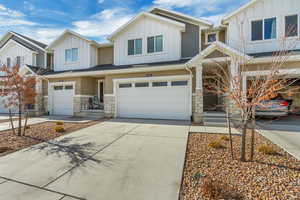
(68, 42)
(143, 28)
(12, 50)
(261, 10)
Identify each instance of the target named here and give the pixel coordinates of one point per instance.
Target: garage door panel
(62, 101)
(172, 102)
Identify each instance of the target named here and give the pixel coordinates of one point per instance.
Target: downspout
(187, 67)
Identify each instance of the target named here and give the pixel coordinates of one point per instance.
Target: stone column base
(109, 106)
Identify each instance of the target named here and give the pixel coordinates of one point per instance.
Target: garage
(154, 98)
(62, 99)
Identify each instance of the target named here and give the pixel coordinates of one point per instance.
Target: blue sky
(44, 20)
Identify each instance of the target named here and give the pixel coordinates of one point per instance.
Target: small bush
(267, 149)
(225, 138)
(59, 123)
(28, 127)
(59, 129)
(211, 189)
(216, 145)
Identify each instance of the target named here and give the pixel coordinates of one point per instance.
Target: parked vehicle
(277, 107)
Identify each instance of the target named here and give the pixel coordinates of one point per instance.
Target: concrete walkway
(117, 159)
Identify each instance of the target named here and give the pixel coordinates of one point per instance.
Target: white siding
(93, 56)
(12, 50)
(68, 42)
(144, 28)
(261, 10)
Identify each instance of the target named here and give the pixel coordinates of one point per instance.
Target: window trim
(263, 29)
(72, 55)
(154, 45)
(134, 49)
(298, 25)
(143, 84)
(210, 33)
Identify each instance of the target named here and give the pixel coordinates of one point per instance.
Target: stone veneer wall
(109, 105)
(198, 106)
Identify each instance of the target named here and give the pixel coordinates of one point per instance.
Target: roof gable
(69, 32)
(230, 15)
(140, 16)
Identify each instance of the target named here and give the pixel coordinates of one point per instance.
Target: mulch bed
(267, 177)
(36, 134)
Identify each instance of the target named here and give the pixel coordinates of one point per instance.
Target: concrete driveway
(284, 132)
(117, 159)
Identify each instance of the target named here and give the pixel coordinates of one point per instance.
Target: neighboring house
(31, 56)
(157, 64)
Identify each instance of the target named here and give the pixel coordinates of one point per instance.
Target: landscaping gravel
(36, 134)
(267, 177)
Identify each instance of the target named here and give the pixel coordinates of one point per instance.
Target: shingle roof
(120, 67)
(38, 70)
(40, 44)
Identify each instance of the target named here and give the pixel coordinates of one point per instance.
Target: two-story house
(32, 58)
(157, 64)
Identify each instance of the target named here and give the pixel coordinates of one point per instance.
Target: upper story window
(291, 26)
(211, 37)
(8, 62)
(18, 60)
(155, 44)
(264, 29)
(71, 55)
(135, 47)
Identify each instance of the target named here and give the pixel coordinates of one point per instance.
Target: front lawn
(210, 173)
(36, 134)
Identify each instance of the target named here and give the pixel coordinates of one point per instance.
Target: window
(142, 85)
(155, 44)
(212, 37)
(71, 55)
(18, 60)
(270, 28)
(58, 87)
(30, 106)
(291, 26)
(125, 85)
(179, 83)
(8, 62)
(159, 84)
(69, 87)
(134, 47)
(257, 30)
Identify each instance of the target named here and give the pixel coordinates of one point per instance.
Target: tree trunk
(11, 122)
(252, 139)
(20, 121)
(25, 124)
(229, 131)
(243, 143)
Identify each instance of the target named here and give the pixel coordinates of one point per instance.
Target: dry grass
(59, 129)
(267, 149)
(216, 145)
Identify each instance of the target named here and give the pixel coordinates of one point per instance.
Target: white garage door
(163, 99)
(62, 99)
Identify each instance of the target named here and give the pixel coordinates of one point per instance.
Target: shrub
(59, 123)
(216, 145)
(28, 127)
(59, 129)
(225, 138)
(267, 149)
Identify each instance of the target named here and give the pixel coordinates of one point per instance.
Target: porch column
(198, 97)
(234, 72)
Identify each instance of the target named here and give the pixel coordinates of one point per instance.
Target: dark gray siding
(190, 39)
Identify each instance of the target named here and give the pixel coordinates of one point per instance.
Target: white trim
(80, 95)
(12, 41)
(109, 95)
(266, 72)
(119, 71)
(145, 14)
(151, 79)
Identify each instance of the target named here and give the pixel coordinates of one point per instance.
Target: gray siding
(190, 39)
